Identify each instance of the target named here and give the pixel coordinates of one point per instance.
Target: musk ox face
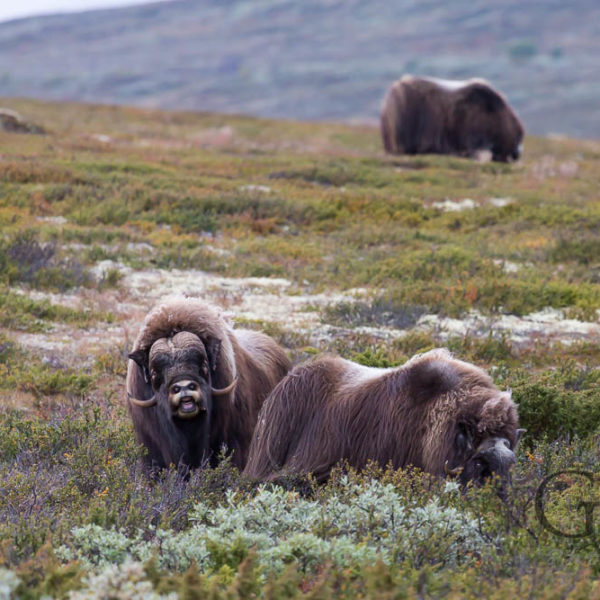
(179, 370)
(179, 373)
(507, 142)
(478, 458)
(482, 119)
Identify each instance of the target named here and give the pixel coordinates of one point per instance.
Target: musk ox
(195, 385)
(436, 413)
(422, 115)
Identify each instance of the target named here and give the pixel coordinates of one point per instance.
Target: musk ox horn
(143, 403)
(452, 472)
(225, 390)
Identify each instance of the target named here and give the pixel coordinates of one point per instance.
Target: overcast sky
(26, 8)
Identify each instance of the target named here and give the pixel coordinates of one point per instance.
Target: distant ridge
(328, 59)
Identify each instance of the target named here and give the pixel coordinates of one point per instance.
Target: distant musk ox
(436, 413)
(195, 385)
(422, 115)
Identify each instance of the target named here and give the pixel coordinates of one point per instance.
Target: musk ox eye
(483, 469)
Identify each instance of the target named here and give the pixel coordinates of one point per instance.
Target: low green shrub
(19, 312)
(20, 370)
(558, 402)
(356, 524)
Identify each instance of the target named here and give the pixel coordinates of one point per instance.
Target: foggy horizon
(38, 8)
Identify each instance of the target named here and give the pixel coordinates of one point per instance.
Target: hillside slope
(312, 60)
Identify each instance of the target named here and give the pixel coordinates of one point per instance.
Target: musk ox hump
(429, 375)
(479, 93)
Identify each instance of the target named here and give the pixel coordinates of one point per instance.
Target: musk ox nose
(498, 456)
(186, 399)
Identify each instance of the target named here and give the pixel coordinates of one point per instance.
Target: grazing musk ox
(436, 413)
(422, 115)
(194, 385)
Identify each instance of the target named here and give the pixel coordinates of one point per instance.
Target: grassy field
(310, 233)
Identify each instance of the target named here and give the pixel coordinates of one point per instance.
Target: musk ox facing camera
(424, 115)
(439, 414)
(195, 385)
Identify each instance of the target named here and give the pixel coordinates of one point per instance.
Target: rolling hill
(312, 60)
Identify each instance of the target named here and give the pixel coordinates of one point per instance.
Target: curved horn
(143, 403)
(452, 472)
(225, 390)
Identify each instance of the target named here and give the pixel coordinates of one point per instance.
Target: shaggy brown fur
(213, 355)
(421, 115)
(434, 412)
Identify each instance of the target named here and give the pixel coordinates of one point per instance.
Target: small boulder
(13, 122)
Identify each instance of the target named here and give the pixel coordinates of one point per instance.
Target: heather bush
(25, 259)
(97, 510)
(21, 313)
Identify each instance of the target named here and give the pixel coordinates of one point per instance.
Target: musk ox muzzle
(516, 154)
(186, 399)
(492, 458)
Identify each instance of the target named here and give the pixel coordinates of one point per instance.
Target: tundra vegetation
(113, 198)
